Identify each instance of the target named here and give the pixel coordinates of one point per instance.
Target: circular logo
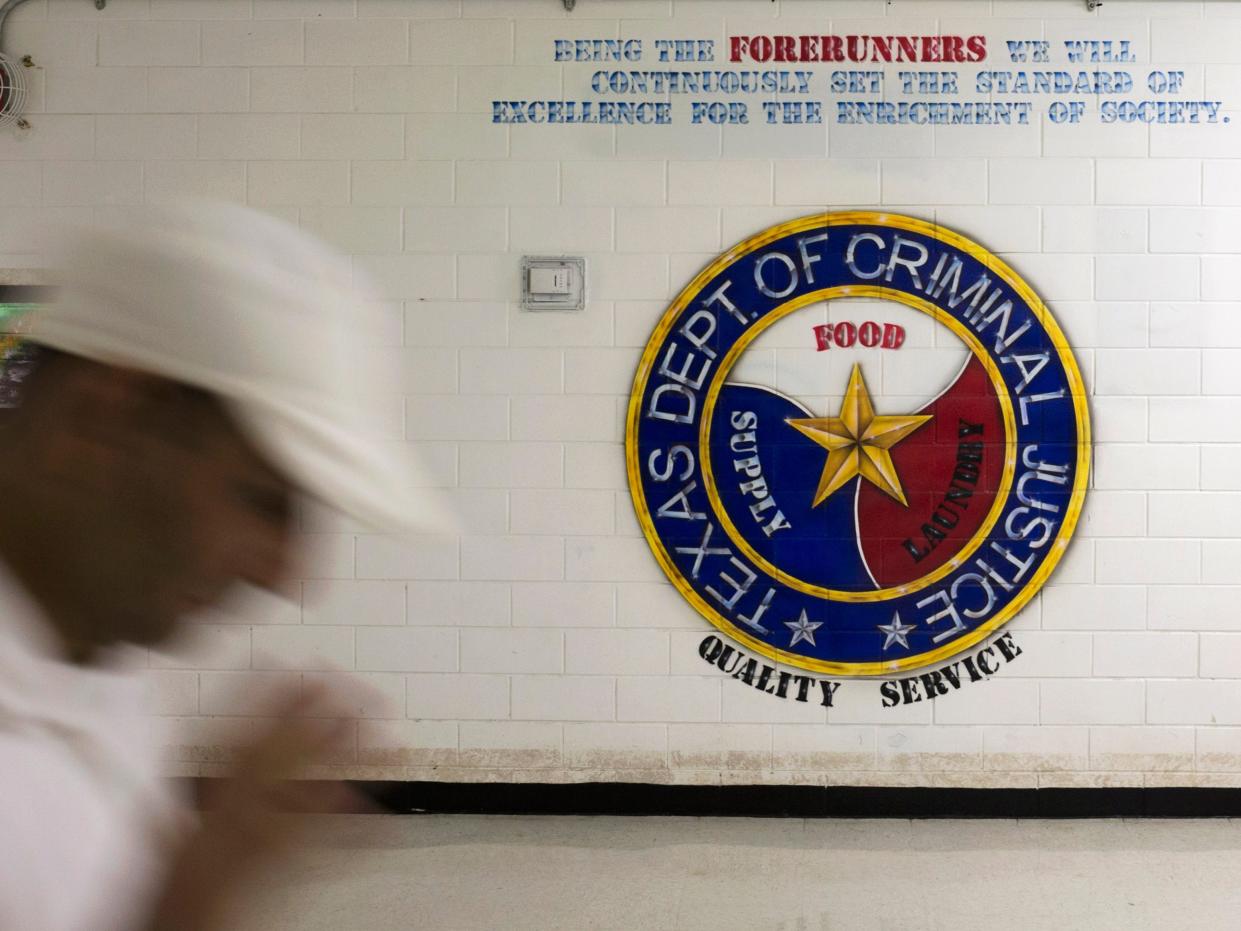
(858, 443)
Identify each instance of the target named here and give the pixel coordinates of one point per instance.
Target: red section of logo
(950, 470)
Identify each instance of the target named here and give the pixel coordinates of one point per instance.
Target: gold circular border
(1077, 393)
(976, 348)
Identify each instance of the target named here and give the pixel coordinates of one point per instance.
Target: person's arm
(250, 822)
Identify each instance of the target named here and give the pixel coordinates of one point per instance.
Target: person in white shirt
(200, 368)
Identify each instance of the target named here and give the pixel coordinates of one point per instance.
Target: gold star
(858, 442)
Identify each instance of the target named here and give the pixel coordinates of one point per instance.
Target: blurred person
(199, 368)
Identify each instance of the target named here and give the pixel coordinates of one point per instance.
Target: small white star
(803, 629)
(896, 632)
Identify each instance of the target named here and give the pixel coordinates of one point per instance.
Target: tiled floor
(377, 872)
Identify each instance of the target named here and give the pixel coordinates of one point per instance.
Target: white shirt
(85, 820)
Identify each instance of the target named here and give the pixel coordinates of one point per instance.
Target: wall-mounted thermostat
(553, 282)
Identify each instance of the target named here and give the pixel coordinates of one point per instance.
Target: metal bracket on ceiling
(100, 4)
(1092, 5)
(570, 4)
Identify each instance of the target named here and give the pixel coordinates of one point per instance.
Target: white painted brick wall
(543, 642)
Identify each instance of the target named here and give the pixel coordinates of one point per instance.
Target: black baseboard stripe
(24, 293)
(798, 801)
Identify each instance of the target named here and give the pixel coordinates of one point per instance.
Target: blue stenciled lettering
(597, 49)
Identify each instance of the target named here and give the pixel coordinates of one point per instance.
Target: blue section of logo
(803, 593)
(820, 544)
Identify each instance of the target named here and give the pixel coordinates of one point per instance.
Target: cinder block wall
(543, 643)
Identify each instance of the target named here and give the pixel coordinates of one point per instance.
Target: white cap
(266, 318)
